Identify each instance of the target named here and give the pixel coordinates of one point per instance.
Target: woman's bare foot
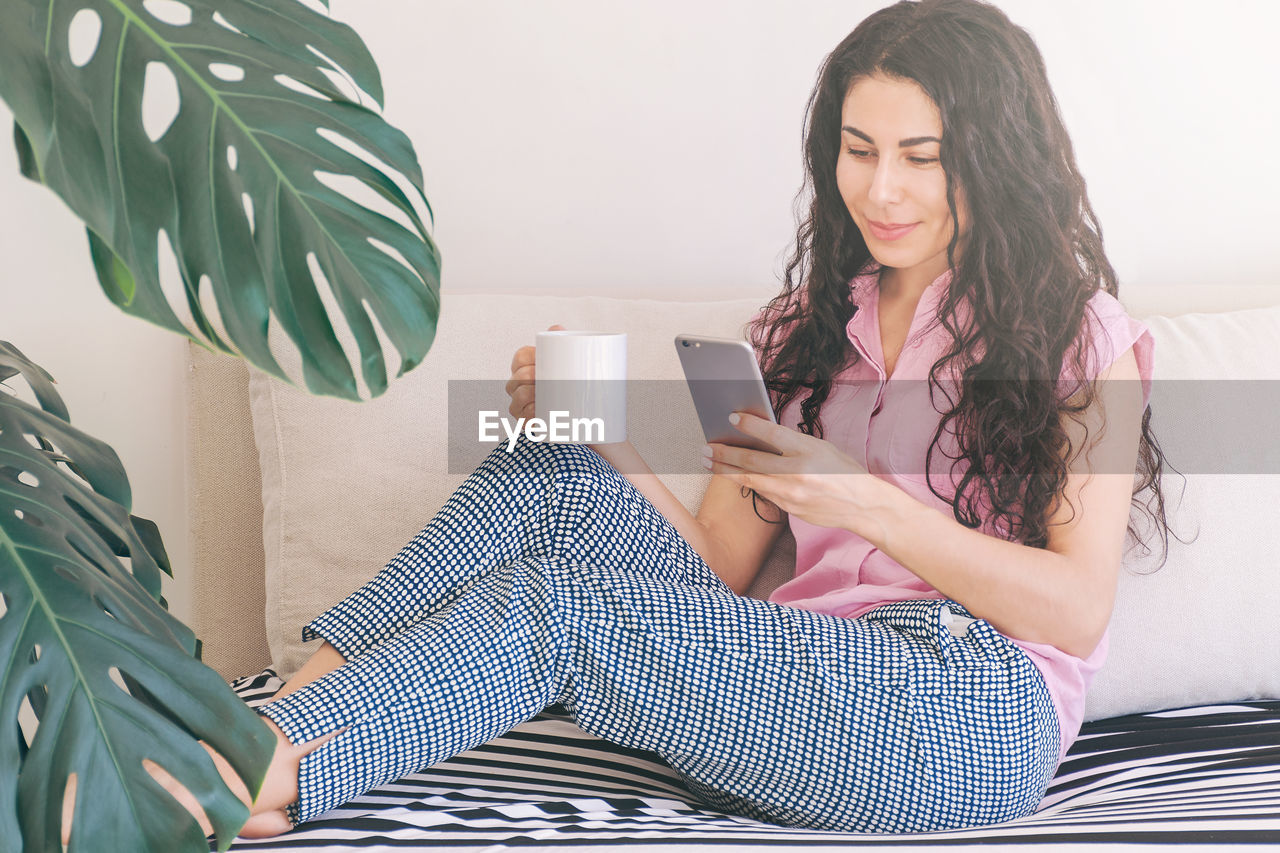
(266, 812)
(279, 787)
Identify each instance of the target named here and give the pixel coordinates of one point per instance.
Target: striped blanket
(1195, 778)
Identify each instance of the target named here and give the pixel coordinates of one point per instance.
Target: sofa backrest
(341, 486)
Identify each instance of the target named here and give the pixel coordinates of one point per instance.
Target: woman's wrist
(882, 509)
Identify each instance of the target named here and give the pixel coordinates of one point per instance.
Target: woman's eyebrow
(905, 143)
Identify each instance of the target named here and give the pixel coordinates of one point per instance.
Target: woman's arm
(1061, 595)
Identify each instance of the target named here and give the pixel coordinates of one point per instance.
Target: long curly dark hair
(1031, 259)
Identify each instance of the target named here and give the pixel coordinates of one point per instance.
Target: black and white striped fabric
(1196, 778)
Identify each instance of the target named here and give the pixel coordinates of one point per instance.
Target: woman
(957, 553)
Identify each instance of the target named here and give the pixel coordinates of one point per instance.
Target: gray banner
(1204, 427)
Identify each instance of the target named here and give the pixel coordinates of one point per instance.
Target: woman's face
(891, 179)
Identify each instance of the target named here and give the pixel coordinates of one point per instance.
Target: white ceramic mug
(580, 388)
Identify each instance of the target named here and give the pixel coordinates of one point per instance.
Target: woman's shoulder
(1106, 307)
(1109, 330)
(1108, 322)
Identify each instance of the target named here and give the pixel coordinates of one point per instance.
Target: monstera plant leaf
(244, 183)
(96, 671)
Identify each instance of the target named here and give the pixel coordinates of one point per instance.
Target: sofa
(296, 500)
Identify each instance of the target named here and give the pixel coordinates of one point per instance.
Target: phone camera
(685, 343)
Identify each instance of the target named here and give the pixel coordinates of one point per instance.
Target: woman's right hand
(520, 385)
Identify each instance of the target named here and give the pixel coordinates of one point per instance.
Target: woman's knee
(558, 460)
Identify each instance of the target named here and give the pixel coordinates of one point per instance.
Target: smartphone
(724, 377)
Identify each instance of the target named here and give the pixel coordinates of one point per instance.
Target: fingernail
(706, 463)
(706, 450)
(734, 418)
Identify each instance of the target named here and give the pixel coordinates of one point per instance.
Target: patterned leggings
(549, 578)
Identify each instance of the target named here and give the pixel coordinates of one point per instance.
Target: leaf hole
(108, 539)
(22, 390)
(82, 36)
(297, 86)
(29, 518)
(393, 253)
(172, 284)
(247, 201)
(180, 793)
(68, 808)
(28, 722)
(35, 653)
(362, 194)
(340, 78)
(4, 604)
(70, 469)
(232, 157)
(342, 84)
(28, 479)
(169, 12)
(117, 678)
(226, 71)
(107, 610)
(34, 441)
(278, 342)
(406, 186)
(224, 23)
(390, 354)
(160, 100)
(212, 314)
(338, 320)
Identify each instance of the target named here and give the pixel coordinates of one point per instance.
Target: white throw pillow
(1203, 628)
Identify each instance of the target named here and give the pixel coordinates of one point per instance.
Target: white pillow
(1203, 628)
(345, 485)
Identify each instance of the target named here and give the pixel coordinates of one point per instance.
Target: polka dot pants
(548, 578)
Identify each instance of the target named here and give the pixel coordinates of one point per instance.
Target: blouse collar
(863, 328)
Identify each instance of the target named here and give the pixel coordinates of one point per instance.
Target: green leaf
(80, 585)
(80, 130)
(27, 164)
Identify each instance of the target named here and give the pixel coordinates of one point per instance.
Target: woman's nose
(886, 184)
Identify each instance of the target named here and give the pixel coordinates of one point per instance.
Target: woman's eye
(859, 154)
(923, 161)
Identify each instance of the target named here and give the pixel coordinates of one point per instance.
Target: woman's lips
(890, 232)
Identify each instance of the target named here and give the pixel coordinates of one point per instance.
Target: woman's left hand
(811, 480)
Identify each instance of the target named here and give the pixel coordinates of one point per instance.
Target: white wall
(655, 148)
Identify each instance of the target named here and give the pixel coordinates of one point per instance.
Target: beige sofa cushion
(224, 498)
(346, 485)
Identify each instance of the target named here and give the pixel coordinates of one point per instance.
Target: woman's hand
(520, 385)
(812, 480)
